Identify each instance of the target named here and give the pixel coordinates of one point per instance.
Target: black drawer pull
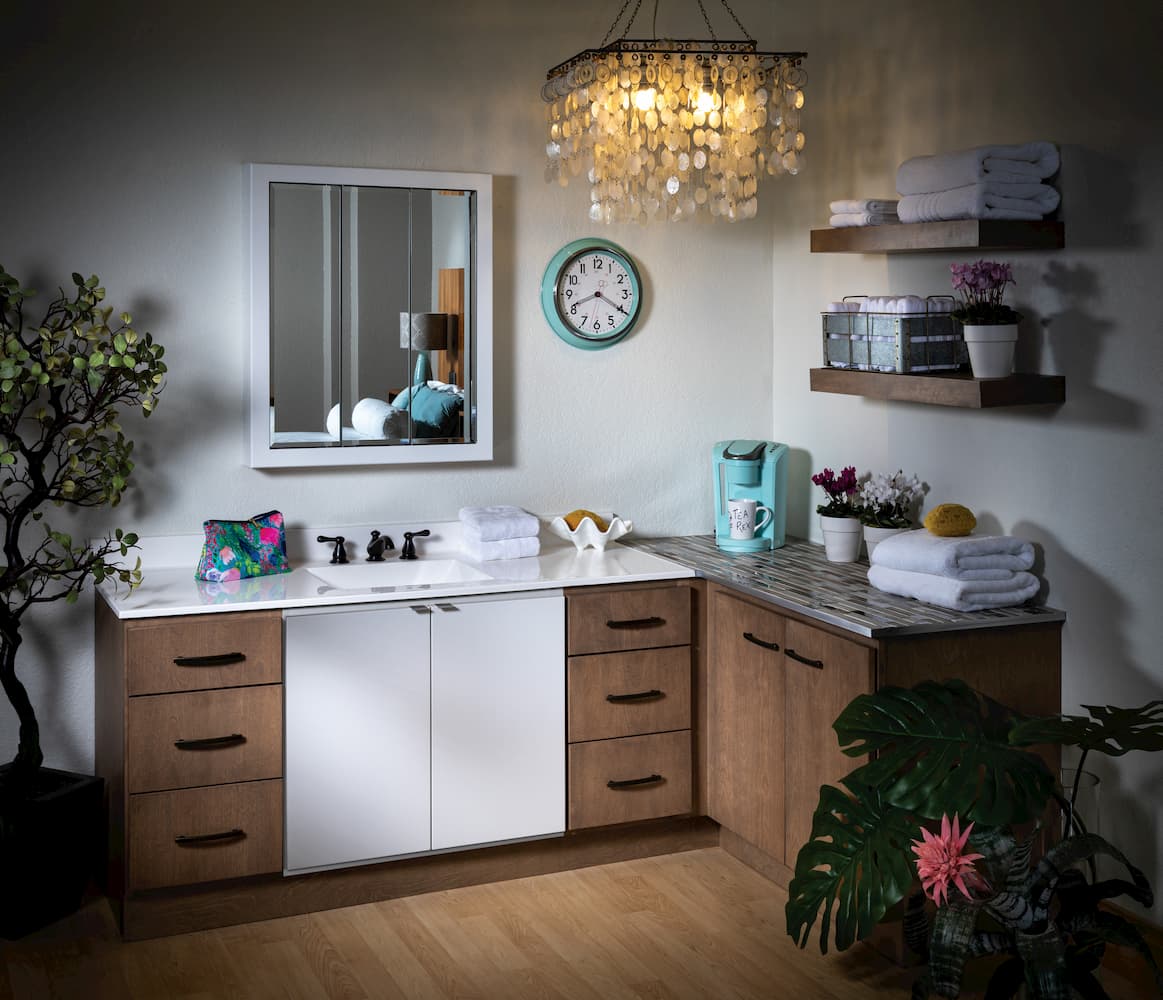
(818, 664)
(650, 779)
(211, 742)
(215, 660)
(652, 622)
(209, 838)
(761, 642)
(635, 696)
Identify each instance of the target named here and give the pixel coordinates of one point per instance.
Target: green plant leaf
(856, 864)
(1109, 730)
(944, 749)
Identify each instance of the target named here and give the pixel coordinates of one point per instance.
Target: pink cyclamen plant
(840, 489)
(982, 285)
(942, 861)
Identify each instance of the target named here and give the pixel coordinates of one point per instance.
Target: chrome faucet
(339, 553)
(409, 545)
(378, 545)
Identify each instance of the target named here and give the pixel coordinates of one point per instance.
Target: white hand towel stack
(862, 212)
(969, 573)
(986, 182)
(499, 532)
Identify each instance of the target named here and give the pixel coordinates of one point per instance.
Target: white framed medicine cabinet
(371, 311)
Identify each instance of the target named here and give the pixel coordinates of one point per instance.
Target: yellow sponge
(950, 519)
(575, 517)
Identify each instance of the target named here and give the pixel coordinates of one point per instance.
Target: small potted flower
(886, 506)
(989, 326)
(839, 517)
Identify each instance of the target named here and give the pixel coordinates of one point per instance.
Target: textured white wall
(124, 157)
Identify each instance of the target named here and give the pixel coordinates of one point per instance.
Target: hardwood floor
(676, 927)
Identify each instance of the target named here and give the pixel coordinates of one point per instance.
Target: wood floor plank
(693, 926)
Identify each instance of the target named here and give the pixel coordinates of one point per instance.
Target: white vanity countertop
(169, 587)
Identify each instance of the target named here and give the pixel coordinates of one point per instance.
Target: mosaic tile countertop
(798, 577)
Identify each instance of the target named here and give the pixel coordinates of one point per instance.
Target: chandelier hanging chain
(707, 20)
(610, 30)
(654, 22)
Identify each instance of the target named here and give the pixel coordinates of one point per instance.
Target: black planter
(50, 842)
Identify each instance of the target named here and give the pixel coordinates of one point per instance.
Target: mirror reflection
(373, 338)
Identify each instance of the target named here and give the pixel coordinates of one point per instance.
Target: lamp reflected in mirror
(425, 332)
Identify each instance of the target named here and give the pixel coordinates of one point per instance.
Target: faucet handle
(409, 551)
(339, 553)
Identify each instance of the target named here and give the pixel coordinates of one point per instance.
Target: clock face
(591, 294)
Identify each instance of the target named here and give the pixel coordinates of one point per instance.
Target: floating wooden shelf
(961, 234)
(946, 389)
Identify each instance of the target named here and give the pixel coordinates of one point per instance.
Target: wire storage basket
(926, 338)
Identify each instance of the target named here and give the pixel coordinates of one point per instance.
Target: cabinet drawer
(628, 694)
(198, 652)
(610, 620)
(205, 834)
(663, 760)
(204, 738)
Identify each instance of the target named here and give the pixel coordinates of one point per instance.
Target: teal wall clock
(591, 293)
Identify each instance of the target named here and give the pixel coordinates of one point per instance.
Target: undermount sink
(397, 573)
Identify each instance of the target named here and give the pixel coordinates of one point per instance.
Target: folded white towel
(876, 205)
(502, 548)
(846, 220)
(496, 523)
(1031, 161)
(960, 595)
(985, 200)
(969, 557)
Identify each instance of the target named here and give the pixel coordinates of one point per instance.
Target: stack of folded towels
(967, 573)
(862, 212)
(500, 532)
(986, 182)
(905, 305)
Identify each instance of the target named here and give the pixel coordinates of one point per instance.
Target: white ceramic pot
(873, 536)
(842, 536)
(991, 349)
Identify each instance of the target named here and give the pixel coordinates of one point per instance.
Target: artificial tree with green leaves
(941, 750)
(63, 381)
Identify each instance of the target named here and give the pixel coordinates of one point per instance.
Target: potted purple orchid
(840, 516)
(990, 326)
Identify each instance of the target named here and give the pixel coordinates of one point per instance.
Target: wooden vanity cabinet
(776, 682)
(628, 703)
(189, 738)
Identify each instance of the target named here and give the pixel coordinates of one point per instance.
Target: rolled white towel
(843, 307)
(986, 200)
(968, 557)
(497, 523)
(847, 220)
(502, 548)
(1031, 161)
(881, 206)
(959, 595)
(374, 418)
(334, 422)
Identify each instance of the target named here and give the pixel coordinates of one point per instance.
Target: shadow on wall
(1098, 192)
(801, 506)
(1073, 337)
(1104, 672)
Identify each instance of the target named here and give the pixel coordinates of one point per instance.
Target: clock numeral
(572, 279)
(625, 294)
(597, 263)
(569, 293)
(621, 279)
(581, 266)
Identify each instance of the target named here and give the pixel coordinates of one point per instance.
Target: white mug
(741, 514)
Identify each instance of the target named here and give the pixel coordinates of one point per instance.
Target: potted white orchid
(887, 505)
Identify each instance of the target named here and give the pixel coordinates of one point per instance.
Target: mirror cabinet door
(371, 328)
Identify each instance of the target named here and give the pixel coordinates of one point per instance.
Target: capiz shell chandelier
(668, 129)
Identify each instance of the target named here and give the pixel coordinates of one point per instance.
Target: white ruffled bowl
(586, 534)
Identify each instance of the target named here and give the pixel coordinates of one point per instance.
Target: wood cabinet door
(823, 673)
(498, 719)
(745, 721)
(357, 732)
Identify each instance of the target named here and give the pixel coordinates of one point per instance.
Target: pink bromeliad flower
(941, 861)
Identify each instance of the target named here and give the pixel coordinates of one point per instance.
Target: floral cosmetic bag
(234, 550)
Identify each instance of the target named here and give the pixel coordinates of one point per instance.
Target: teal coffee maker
(750, 470)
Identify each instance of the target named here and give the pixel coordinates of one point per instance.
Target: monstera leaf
(943, 748)
(1109, 730)
(856, 864)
